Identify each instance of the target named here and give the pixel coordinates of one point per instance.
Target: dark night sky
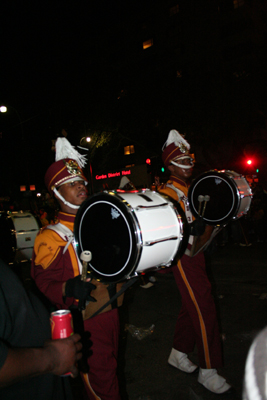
(45, 71)
(49, 73)
(44, 50)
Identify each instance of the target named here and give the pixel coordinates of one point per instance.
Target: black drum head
(104, 226)
(223, 200)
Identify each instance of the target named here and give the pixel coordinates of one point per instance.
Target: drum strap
(179, 193)
(182, 197)
(201, 243)
(67, 235)
(112, 291)
(124, 287)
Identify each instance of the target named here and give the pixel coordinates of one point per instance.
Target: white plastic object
(86, 256)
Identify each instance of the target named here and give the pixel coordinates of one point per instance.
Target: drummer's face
(182, 173)
(73, 192)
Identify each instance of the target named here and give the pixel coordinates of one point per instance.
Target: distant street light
(85, 140)
(4, 109)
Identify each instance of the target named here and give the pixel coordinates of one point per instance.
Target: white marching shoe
(181, 361)
(210, 379)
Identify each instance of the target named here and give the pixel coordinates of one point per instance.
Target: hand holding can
(63, 354)
(62, 328)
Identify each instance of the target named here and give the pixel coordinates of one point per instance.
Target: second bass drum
(225, 195)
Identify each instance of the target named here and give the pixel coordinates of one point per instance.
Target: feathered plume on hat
(174, 147)
(176, 138)
(65, 150)
(67, 167)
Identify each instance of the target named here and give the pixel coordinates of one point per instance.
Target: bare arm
(57, 357)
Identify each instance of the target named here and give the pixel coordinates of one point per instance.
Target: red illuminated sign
(101, 176)
(113, 174)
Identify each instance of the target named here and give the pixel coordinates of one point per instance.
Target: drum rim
(15, 216)
(183, 225)
(185, 231)
(227, 179)
(134, 254)
(181, 221)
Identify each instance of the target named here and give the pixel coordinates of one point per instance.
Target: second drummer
(197, 321)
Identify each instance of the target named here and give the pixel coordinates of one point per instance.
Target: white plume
(65, 150)
(176, 138)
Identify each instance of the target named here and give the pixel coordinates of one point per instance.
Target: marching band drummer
(56, 270)
(197, 321)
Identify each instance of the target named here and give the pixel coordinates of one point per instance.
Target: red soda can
(61, 324)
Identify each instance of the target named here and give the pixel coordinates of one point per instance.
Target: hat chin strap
(64, 201)
(182, 166)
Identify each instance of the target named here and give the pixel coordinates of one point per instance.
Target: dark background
(81, 67)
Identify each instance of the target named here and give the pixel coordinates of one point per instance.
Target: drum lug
(169, 264)
(160, 240)
(132, 275)
(137, 208)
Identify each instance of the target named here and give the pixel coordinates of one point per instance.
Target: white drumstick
(200, 199)
(86, 257)
(206, 199)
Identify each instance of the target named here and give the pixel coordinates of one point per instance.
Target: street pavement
(239, 281)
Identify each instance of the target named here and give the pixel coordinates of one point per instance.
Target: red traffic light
(148, 161)
(249, 161)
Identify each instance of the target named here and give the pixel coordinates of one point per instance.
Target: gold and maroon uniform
(54, 262)
(197, 321)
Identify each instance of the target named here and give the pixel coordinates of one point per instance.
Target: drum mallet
(206, 199)
(86, 257)
(200, 200)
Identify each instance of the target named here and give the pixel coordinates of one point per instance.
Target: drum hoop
(20, 216)
(232, 186)
(181, 222)
(131, 218)
(185, 231)
(138, 235)
(136, 253)
(130, 238)
(183, 226)
(131, 212)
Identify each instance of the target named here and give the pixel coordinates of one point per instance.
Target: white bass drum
(229, 196)
(129, 233)
(17, 234)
